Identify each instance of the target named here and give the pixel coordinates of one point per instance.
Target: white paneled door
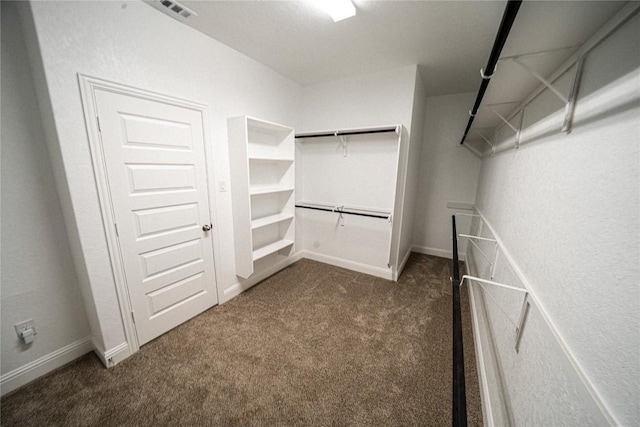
(155, 165)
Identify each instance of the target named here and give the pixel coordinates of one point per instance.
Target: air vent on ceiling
(177, 8)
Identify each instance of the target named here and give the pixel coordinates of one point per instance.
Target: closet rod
(316, 208)
(459, 398)
(508, 17)
(346, 132)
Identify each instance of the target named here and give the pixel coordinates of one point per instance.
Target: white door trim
(88, 86)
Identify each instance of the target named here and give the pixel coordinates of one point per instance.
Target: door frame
(88, 87)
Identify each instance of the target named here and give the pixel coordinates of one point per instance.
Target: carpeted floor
(313, 345)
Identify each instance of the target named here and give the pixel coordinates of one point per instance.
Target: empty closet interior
(277, 135)
(347, 184)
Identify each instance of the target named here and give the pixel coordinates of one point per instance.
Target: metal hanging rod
(395, 129)
(509, 16)
(459, 398)
(342, 210)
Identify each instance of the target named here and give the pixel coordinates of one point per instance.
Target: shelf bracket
(339, 209)
(506, 122)
(537, 53)
(486, 257)
(343, 142)
(570, 101)
(542, 80)
(493, 148)
(524, 310)
(573, 95)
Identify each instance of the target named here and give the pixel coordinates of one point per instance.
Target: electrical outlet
(24, 325)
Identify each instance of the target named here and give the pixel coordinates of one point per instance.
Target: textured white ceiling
(449, 40)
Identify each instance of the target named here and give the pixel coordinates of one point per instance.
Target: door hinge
(115, 226)
(98, 121)
(133, 316)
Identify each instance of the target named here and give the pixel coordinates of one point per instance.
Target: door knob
(206, 227)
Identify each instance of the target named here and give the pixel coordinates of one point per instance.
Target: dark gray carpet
(313, 345)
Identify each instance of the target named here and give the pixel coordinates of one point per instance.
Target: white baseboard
(238, 288)
(39, 367)
(113, 356)
(385, 273)
(437, 252)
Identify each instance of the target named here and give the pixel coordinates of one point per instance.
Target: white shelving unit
(262, 182)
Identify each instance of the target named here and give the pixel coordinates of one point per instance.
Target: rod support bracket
(541, 79)
(573, 96)
(493, 147)
(485, 76)
(343, 142)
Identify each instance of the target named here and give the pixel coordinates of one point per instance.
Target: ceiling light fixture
(338, 9)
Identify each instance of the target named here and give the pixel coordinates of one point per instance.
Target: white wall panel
(133, 44)
(448, 173)
(39, 281)
(567, 207)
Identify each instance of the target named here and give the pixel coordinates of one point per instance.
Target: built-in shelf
(262, 154)
(271, 248)
(271, 219)
(270, 159)
(268, 190)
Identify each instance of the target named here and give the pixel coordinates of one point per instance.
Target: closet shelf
(267, 159)
(268, 190)
(268, 220)
(527, 73)
(271, 248)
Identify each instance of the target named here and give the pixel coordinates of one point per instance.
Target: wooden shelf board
(270, 159)
(271, 248)
(272, 219)
(268, 190)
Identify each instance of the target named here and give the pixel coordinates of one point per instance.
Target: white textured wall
(134, 44)
(413, 166)
(567, 209)
(383, 98)
(448, 172)
(38, 275)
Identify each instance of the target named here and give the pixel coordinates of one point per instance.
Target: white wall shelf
(529, 69)
(262, 183)
(271, 248)
(268, 190)
(271, 219)
(269, 159)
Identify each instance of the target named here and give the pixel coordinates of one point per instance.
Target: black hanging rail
(344, 211)
(459, 398)
(347, 132)
(508, 17)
